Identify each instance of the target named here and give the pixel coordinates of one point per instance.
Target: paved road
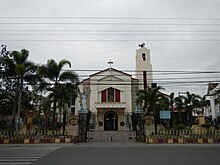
(122, 154)
(133, 154)
(23, 154)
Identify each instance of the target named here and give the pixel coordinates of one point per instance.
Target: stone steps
(108, 136)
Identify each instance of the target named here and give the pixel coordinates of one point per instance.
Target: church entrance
(111, 121)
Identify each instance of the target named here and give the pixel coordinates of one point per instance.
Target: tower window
(143, 57)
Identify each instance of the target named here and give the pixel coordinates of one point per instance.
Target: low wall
(36, 141)
(32, 137)
(185, 137)
(154, 140)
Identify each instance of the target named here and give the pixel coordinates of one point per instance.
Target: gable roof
(105, 70)
(110, 69)
(212, 86)
(112, 77)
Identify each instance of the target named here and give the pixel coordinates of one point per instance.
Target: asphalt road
(20, 154)
(124, 154)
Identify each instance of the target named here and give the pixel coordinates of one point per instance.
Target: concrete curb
(38, 141)
(182, 140)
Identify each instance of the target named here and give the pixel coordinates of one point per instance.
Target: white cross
(114, 118)
(110, 63)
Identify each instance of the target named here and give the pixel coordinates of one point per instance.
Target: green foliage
(150, 99)
(52, 71)
(19, 75)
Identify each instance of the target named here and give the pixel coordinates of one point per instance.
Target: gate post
(83, 117)
(140, 132)
(83, 126)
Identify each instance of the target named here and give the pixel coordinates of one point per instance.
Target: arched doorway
(111, 121)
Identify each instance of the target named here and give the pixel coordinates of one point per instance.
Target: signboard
(149, 121)
(72, 120)
(165, 115)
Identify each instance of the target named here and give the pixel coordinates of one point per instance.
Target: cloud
(176, 53)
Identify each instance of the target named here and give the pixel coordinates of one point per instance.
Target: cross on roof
(110, 63)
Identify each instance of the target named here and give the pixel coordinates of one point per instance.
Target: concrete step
(108, 136)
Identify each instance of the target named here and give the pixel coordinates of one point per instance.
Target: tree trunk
(19, 105)
(64, 122)
(15, 106)
(54, 112)
(155, 124)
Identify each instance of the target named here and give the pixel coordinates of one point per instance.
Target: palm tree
(151, 99)
(67, 93)
(171, 102)
(190, 101)
(53, 72)
(179, 105)
(24, 70)
(40, 86)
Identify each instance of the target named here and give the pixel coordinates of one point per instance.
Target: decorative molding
(110, 104)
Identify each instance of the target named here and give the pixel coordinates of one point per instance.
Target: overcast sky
(183, 35)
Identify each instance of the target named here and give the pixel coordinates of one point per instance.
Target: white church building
(111, 94)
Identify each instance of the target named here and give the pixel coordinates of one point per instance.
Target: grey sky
(167, 55)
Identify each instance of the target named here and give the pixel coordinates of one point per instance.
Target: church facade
(111, 94)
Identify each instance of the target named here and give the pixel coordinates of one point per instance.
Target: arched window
(110, 95)
(143, 57)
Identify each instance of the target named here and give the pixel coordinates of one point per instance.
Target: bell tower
(143, 70)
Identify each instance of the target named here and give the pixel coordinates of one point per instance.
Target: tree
(191, 101)
(179, 105)
(171, 100)
(15, 69)
(67, 93)
(151, 99)
(7, 81)
(171, 107)
(40, 86)
(53, 72)
(24, 70)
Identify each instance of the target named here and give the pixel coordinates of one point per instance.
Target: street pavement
(111, 153)
(23, 154)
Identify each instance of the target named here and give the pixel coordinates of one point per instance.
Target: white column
(212, 104)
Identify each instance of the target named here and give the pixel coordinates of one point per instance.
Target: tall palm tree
(151, 99)
(24, 70)
(40, 86)
(53, 72)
